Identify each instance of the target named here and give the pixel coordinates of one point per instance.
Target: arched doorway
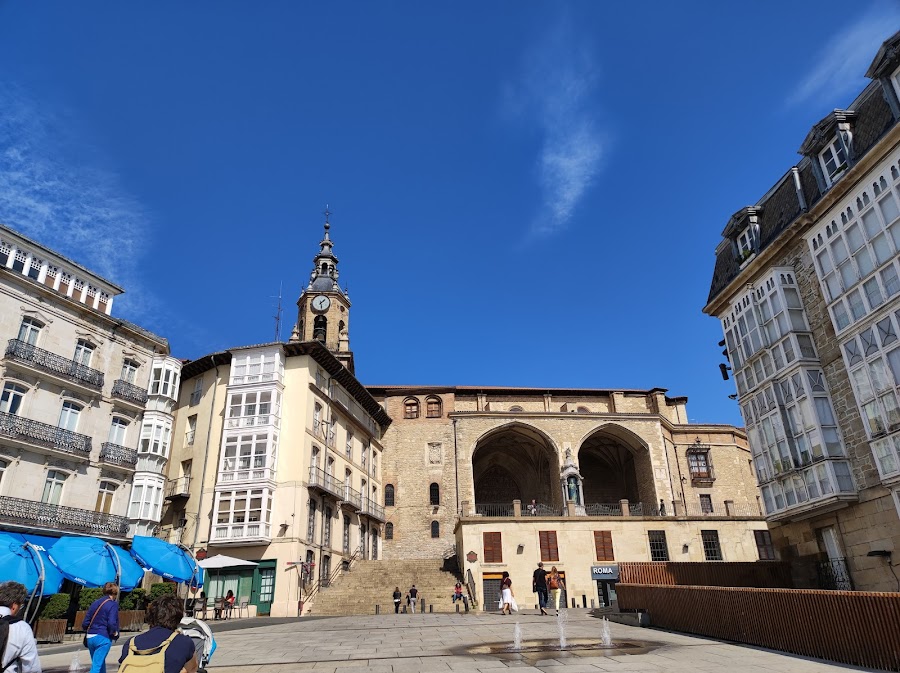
(515, 462)
(615, 466)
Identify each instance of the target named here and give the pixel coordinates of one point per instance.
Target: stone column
(729, 508)
(678, 508)
(464, 508)
(623, 503)
(570, 508)
(517, 508)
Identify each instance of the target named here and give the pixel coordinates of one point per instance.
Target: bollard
(377, 609)
(457, 608)
(592, 603)
(430, 608)
(404, 610)
(466, 603)
(573, 602)
(583, 601)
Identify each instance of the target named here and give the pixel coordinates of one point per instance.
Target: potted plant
(131, 610)
(51, 624)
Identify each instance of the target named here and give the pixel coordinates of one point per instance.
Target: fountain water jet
(517, 637)
(605, 637)
(561, 619)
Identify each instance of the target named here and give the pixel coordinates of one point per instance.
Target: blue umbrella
(88, 561)
(166, 560)
(132, 573)
(18, 562)
(52, 578)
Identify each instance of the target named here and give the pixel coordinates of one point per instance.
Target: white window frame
(84, 351)
(247, 455)
(12, 397)
(118, 430)
(54, 486)
(895, 82)
(190, 430)
(156, 435)
(106, 497)
(69, 415)
(835, 152)
(197, 393)
(146, 499)
(129, 370)
(164, 380)
(30, 330)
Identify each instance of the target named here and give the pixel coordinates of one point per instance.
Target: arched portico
(516, 462)
(615, 464)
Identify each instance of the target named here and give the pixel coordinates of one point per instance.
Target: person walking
(507, 598)
(413, 596)
(177, 650)
(20, 654)
(539, 586)
(397, 596)
(556, 584)
(101, 626)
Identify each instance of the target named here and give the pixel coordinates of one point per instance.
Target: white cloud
(843, 60)
(555, 94)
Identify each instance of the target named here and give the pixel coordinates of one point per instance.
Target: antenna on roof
(278, 314)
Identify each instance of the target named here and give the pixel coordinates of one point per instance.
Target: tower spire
(324, 276)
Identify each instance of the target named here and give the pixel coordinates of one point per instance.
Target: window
(311, 521)
(12, 397)
(603, 545)
(583, 410)
(191, 430)
(320, 328)
(105, 497)
(516, 409)
(247, 455)
(698, 462)
(84, 349)
(706, 505)
(411, 408)
(164, 380)
(53, 487)
(68, 416)
(745, 244)
(764, 545)
(348, 449)
(388, 531)
(389, 495)
(833, 160)
(155, 436)
(435, 529)
(317, 419)
(347, 534)
(434, 494)
(549, 550)
(256, 367)
(197, 393)
(146, 496)
(244, 507)
(433, 407)
(117, 429)
(711, 548)
(327, 522)
(29, 331)
(493, 550)
(129, 370)
(659, 550)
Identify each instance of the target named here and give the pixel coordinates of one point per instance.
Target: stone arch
(516, 461)
(615, 464)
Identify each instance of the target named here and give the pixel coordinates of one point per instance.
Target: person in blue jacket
(101, 626)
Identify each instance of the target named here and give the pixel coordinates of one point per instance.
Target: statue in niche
(572, 489)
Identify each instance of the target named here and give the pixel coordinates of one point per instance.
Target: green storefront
(255, 585)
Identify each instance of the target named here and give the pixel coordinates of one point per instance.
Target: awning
(222, 561)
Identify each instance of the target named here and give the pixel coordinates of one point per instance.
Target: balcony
(246, 474)
(255, 532)
(324, 482)
(834, 575)
(374, 510)
(252, 421)
(57, 366)
(129, 393)
(32, 515)
(352, 499)
(178, 488)
(36, 434)
(120, 456)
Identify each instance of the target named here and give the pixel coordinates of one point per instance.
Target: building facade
(806, 286)
(502, 478)
(83, 416)
(277, 456)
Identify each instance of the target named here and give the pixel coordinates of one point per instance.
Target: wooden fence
(762, 574)
(851, 627)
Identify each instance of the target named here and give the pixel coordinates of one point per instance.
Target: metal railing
(834, 574)
(130, 392)
(494, 509)
(115, 454)
(319, 478)
(43, 434)
(721, 509)
(179, 487)
(30, 513)
(374, 510)
(352, 497)
(314, 586)
(470, 586)
(54, 364)
(603, 509)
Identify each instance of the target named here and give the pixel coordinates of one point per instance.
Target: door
(264, 591)
(833, 573)
(490, 591)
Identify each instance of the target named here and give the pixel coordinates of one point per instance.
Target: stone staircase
(371, 583)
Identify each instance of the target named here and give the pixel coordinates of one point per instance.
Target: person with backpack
(18, 648)
(162, 649)
(397, 596)
(101, 626)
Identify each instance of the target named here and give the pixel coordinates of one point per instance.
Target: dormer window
(895, 82)
(745, 244)
(833, 160)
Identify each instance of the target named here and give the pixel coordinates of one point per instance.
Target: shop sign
(607, 572)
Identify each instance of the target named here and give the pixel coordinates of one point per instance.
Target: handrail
(318, 584)
(470, 587)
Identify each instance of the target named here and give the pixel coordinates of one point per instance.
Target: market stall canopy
(166, 560)
(222, 561)
(91, 562)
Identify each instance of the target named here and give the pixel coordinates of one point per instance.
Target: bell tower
(323, 309)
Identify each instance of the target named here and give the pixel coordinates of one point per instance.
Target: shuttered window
(603, 545)
(493, 552)
(549, 550)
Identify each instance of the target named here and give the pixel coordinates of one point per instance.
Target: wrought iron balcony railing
(32, 514)
(178, 488)
(54, 364)
(834, 574)
(323, 481)
(374, 510)
(43, 434)
(115, 454)
(352, 498)
(129, 392)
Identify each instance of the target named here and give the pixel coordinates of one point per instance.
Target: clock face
(321, 303)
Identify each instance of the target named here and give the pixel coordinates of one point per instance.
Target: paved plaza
(442, 642)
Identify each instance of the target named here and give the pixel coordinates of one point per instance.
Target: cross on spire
(327, 213)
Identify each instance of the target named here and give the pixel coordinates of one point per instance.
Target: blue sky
(522, 193)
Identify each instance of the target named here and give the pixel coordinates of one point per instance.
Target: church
(321, 488)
